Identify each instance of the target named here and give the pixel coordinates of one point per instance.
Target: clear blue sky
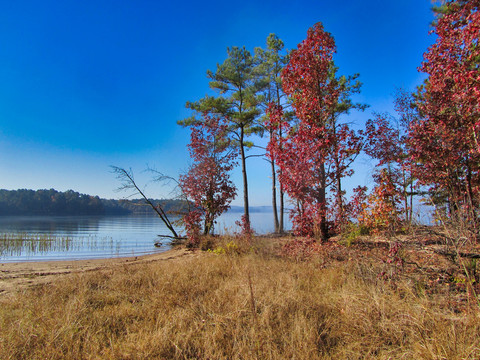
(88, 84)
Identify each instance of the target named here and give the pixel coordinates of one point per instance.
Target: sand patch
(16, 277)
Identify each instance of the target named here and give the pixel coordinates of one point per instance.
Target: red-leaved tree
(445, 142)
(345, 146)
(207, 183)
(304, 177)
(385, 143)
(386, 140)
(382, 210)
(315, 152)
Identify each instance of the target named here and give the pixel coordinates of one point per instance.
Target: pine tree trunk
(282, 209)
(244, 175)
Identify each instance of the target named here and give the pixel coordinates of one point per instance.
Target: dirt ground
(16, 277)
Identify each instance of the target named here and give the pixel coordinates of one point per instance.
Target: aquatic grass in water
(18, 244)
(24, 244)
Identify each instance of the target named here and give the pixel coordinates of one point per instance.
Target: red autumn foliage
(393, 180)
(192, 221)
(346, 145)
(444, 143)
(304, 149)
(382, 140)
(382, 210)
(246, 230)
(316, 152)
(358, 202)
(207, 183)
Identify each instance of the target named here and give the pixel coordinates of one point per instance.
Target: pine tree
(235, 81)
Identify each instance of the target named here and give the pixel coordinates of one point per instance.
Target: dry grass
(252, 305)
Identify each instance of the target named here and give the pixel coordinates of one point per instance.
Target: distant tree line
(53, 202)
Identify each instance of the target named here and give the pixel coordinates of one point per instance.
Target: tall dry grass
(234, 306)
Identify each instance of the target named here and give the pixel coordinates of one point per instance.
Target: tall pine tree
(235, 81)
(271, 62)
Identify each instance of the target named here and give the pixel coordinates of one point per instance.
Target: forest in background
(53, 202)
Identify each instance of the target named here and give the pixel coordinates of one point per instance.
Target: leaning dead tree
(128, 183)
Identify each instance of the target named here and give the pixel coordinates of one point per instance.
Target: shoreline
(91, 258)
(17, 276)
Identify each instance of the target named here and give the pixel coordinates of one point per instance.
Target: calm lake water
(88, 237)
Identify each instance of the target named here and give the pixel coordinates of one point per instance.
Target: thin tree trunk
(274, 199)
(341, 219)
(323, 205)
(471, 201)
(282, 197)
(411, 200)
(338, 178)
(244, 175)
(405, 196)
(281, 228)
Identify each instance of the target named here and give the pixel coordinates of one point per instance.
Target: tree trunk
(472, 205)
(411, 197)
(323, 206)
(281, 228)
(274, 199)
(282, 208)
(405, 197)
(244, 175)
(338, 179)
(341, 219)
(208, 223)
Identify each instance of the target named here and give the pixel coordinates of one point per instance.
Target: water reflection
(49, 224)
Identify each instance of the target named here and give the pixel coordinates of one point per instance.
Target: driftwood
(172, 237)
(175, 240)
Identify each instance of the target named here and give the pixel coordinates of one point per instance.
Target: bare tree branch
(249, 156)
(128, 183)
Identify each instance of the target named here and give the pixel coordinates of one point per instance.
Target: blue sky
(88, 84)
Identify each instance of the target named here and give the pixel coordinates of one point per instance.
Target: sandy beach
(18, 276)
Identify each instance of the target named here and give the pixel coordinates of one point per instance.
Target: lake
(88, 237)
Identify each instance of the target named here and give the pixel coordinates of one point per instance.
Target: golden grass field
(247, 300)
